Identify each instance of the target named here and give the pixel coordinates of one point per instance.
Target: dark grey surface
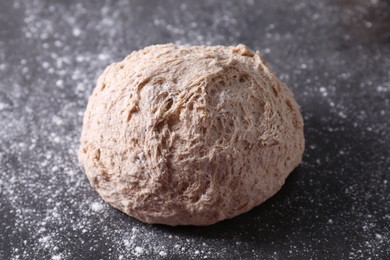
(335, 56)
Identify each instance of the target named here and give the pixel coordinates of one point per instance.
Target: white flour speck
(97, 206)
(138, 251)
(59, 83)
(76, 32)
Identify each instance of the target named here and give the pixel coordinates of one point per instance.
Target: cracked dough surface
(183, 135)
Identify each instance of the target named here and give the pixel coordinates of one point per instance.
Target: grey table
(335, 56)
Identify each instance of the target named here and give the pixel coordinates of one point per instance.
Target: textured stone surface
(334, 55)
(183, 135)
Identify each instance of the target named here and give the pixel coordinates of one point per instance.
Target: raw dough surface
(182, 135)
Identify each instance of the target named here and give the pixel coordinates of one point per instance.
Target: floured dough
(183, 135)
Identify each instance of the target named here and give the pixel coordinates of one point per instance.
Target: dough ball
(182, 135)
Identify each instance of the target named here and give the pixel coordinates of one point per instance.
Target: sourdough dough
(182, 135)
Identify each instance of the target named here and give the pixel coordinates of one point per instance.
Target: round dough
(182, 135)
